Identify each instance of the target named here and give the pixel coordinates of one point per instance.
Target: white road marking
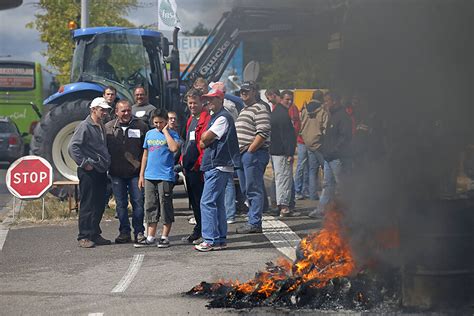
(8, 220)
(95, 314)
(130, 274)
(3, 236)
(281, 236)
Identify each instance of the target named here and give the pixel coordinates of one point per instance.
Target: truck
(23, 86)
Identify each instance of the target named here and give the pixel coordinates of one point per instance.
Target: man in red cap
(220, 157)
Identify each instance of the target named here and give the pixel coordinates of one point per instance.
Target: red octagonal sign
(29, 177)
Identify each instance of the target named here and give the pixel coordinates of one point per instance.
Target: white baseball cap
(100, 102)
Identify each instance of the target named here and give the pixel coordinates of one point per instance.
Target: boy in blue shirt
(157, 177)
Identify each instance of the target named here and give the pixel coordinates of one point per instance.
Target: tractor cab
(122, 58)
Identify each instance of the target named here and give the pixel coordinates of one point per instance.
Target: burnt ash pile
(323, 276)
(365, 291)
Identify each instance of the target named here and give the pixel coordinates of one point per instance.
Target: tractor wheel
(52, 135)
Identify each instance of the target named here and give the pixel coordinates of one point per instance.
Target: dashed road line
(95, 314)
(130, 274)
(281, 236)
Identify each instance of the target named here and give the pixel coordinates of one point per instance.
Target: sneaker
(204, 247)
(272, 211)
(101, 241)
(198, 241)
(192, 221)
(288, 213)
(86, 243)
(145, 243)
(163, 243)
(191, 238)
(220, 246)
(248, 229)
(231, 221)
(299, 197)
(316, 214)
(123, 238)
(140, 237)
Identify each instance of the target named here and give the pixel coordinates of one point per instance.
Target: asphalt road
(43, 271)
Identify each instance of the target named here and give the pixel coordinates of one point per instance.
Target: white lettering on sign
(18, 115)
(29, 177)
(188, 47)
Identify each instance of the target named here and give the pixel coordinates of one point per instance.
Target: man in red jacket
(192, 156)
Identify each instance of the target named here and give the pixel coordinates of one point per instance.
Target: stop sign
(29, 177)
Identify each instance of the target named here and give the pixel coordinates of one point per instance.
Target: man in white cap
(88, 148)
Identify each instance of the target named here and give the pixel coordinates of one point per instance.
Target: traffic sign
(29, 177)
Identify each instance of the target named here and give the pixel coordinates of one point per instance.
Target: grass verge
(56, 210)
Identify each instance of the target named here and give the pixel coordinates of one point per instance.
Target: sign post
(29, 177)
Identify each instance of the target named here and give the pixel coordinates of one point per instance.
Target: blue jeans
(230, 199)
(332, 181)
(252, 184)
(315, 159)
(302, 171)
(213, 213)
(121, 188)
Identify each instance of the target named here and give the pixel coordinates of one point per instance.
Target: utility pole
(84, 14)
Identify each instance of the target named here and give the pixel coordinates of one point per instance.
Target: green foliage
(198, 30)
(297, 63)
(52, 21)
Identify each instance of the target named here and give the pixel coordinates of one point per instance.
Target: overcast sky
(24, 44)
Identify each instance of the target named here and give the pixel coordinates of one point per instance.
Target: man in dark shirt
(336, 150)
(125, 137)
(282, 149)
(142, 109)
(104, 68)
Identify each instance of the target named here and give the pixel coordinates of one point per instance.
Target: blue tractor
(106, 56)
(125, 57)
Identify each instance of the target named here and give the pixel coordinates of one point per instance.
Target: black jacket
(283, 138)
(337, 141)
(125, 147)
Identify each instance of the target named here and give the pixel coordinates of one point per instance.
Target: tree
(198, 30)
(52, 23)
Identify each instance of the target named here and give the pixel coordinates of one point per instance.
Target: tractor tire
(52, 135)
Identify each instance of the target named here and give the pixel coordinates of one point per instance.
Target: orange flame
(325, 255)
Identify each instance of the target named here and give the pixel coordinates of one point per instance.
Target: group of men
(219, 142)
(322, 134)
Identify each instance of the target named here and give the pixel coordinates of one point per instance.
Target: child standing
(157, 177)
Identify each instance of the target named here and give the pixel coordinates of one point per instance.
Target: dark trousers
(195, 185)
(92, 186)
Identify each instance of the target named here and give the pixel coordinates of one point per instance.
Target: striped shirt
(253, 120)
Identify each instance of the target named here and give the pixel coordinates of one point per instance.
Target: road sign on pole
(29, 177)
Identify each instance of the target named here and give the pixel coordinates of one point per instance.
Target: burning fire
(322, 256)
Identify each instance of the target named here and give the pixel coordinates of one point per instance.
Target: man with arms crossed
(218, 162)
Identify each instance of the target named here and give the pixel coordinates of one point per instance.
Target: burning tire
(52, 135)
